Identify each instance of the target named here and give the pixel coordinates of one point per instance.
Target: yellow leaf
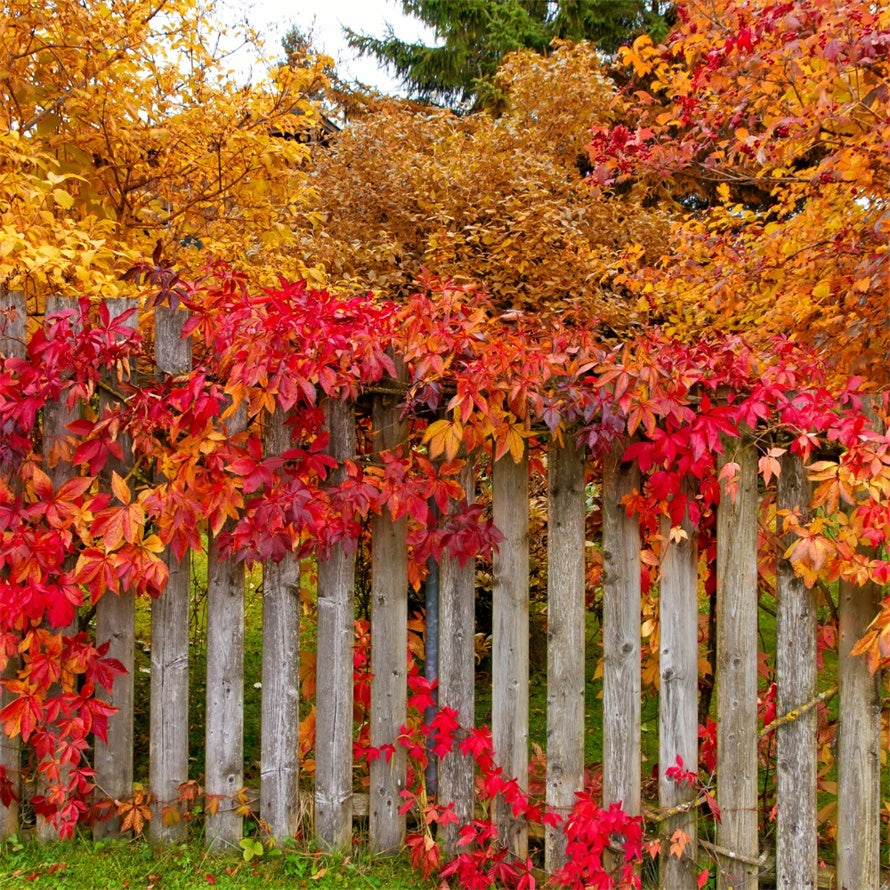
(152, 544)
(444, 436)
(120, 489)
(63, 198)
(678, 534)
(516, 444)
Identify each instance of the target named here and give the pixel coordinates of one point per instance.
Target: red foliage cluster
(472, 382)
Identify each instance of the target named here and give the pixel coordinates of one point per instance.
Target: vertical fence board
(622, 679)
(796, 851)
(389, 647)
(116, 624)
(334, 666)
(280, 718)
(56, 458)
(859, 741)
(224, 723)
(12, 324)
(737, 671)
(169, 721)
(565, 639)
(859, 748)
(678, 703)
(510, 640)
(12, 343)
(457, 676)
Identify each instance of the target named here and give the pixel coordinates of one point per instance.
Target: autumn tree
(473, 37)
(498, 202)
(123, 127)
(769, 120)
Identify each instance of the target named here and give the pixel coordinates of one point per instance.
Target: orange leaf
(679, 839)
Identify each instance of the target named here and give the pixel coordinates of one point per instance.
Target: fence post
(12, 343)
(859, 744)
(334, 666)
(224, 710)
(457, 675)
(678, 702)
(389, 646)
(859, 747)
(57, 463)
(565, 639)
(796, 852)
(510, 641)
(280, 704)
(169, 721)
(622, 677)
(736, 669)
(116, 623)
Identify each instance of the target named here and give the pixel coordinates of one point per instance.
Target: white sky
(273, 18)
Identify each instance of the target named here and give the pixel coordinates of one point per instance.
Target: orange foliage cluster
(773, 116)
(496, 201)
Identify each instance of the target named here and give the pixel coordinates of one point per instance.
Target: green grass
(108, 865)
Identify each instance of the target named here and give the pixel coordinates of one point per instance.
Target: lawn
(135, 865)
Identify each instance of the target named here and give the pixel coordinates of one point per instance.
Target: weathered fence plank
(389, 646)
(457, 676)
(737, 670)
(622, 678)
(280, 705)
(796, 851)
(678, 702)
(116, 624)
(12, 343)
(224, 703)
(334, 665)
(169, 721)
(57, 463)
(565, 639)
(509, 723)
(859, 748)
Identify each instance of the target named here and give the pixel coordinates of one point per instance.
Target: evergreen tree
(473, 36)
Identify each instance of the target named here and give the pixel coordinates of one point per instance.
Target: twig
(796, 713)
(762, 860)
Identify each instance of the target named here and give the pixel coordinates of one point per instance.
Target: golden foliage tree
(124, 128)
(500, 202)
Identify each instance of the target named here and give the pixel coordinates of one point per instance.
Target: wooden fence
(743, 855)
